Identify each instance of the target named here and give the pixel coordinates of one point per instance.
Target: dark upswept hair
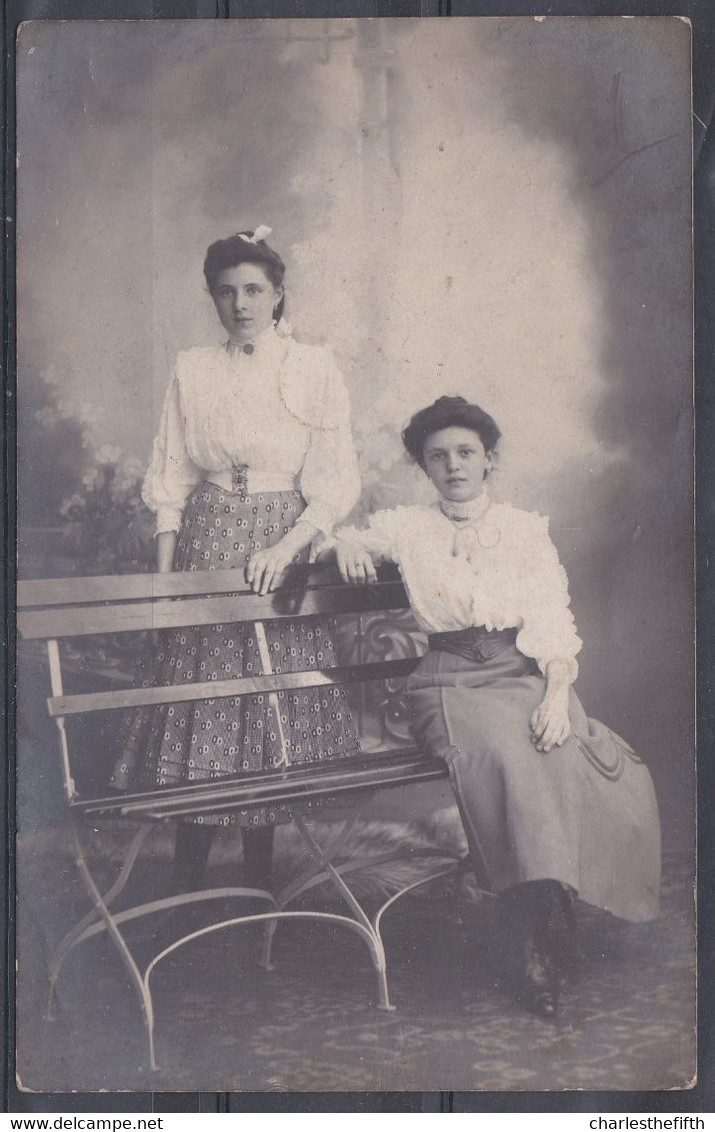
(449, 412)
(235, 250)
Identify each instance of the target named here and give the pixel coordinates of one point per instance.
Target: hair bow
(260, 234)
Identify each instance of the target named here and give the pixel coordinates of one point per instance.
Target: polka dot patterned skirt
(193, 741)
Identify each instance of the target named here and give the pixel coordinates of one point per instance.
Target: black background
(702, 15)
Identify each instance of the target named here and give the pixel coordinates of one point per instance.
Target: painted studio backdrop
(498, 208)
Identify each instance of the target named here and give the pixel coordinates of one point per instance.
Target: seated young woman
(554, 804)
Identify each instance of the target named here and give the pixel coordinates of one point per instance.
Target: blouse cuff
(319, 546)
(168, 519)
(320, 515)
(570, 663)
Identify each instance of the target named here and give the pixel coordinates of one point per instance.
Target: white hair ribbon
(260, 234)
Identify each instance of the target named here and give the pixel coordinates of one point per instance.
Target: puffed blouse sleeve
(329, 479)
(172, 475)
(381, 538)
(548, 630)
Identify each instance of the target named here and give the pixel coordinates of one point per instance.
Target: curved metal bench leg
(377, 919)
(383, 988)
(140, 984)
(321, 866)
(379, 959)
(377, 952)
(366, 933)
(74, 936)
(307, 875)
(266, 960)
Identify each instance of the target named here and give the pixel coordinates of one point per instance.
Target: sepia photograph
(355, 660)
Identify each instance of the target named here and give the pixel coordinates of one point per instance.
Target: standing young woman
(553, 803)
(253, 460)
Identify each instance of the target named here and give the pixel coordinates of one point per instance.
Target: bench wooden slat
(79, 607)
(95, 589)
(146, 587)
(244, 607)
(114, 587)
(305, 783)
(221, 689)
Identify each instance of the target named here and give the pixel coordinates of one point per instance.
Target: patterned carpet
(225, 1024)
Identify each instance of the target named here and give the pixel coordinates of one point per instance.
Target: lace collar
(469, 511)
(265, 344)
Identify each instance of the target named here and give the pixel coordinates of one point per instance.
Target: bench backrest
(64, 608)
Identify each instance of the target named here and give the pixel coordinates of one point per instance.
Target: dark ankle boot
(538, 990)
(561, 930)
(534, 919)
(258, 857)
(191, 854)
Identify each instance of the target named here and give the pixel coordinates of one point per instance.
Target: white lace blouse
(497, 568)
(281, 413)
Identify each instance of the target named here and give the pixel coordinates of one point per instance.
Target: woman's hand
(266, 568)
(550, 723)
(355, 564)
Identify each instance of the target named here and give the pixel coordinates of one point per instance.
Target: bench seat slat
(243, 607)
(220, 689)
(297, 784)
(289, 794)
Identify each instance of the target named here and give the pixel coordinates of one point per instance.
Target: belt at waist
(475, 643)
(246, 481)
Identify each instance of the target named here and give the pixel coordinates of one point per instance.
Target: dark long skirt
(584, 814)
(198, 740)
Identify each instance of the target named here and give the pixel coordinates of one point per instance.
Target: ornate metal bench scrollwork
(382, 636)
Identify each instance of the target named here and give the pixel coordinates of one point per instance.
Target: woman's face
(245, 300)
(455, 461)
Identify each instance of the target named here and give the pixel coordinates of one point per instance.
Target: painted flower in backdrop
(108, 527)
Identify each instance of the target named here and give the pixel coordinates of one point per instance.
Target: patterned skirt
(175, 744)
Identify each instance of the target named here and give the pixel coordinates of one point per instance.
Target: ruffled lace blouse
(498, 568)
(280, 414)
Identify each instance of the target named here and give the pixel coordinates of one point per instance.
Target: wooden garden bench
(57, 611)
